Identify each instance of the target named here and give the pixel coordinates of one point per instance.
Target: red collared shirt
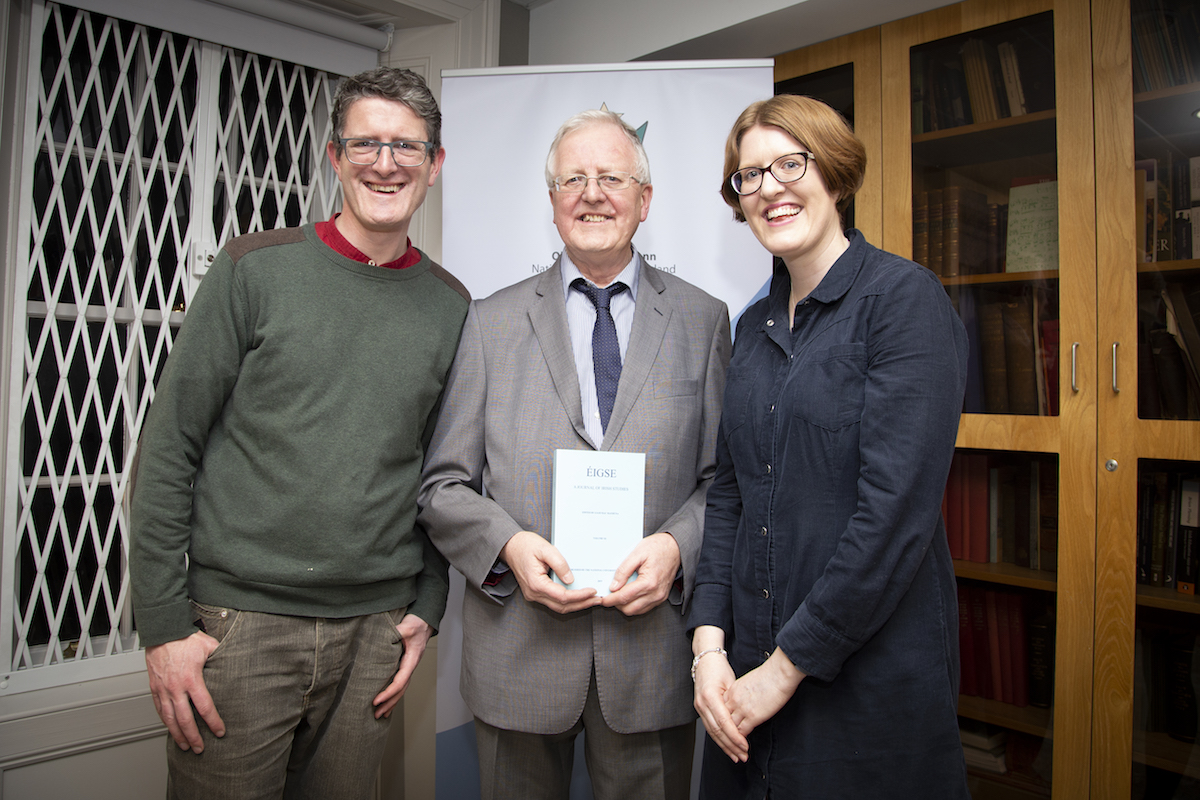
(329, 234)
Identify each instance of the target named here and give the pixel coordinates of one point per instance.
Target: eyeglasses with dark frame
(607, 181)
(405, 152)
(786, 169)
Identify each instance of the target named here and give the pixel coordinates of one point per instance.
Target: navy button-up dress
(824, 535)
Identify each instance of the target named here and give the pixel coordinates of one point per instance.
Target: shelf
(1169, 599)
(1008, 574)
(986, 785)
(998, 140)
(1034, 721)
(1156, 267)
(1010, 432)
(1161, 751)
(1002, 277)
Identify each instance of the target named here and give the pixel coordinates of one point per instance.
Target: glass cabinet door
(844, 73)
(982, 170)
(1148, 617)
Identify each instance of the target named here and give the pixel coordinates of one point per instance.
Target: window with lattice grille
(144, 151)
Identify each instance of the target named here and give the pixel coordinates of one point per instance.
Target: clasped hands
(732, 707)
(655, 559)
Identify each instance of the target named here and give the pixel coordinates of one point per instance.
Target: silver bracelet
(702, 654)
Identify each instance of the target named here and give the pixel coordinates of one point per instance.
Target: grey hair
(594, 116)
(401, 85)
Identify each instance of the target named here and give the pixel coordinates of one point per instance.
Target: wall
(584, 31)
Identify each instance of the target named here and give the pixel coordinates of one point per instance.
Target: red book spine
(966, 644)
(1019, 649)
(954, 508)
(977, 508)
(996, 691)
(979, 635)
(1005, 643)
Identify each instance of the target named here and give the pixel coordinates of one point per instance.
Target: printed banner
(498, 229)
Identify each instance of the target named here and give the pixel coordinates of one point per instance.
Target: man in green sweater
(282, 588)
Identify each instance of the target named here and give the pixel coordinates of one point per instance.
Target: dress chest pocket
(827, 389)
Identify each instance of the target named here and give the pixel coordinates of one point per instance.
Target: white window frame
(212, 159)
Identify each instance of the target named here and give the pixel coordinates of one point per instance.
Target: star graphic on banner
(641, 131)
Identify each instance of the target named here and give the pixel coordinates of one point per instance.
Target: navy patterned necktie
(606, 351)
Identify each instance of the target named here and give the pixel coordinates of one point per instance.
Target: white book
(1032, 227)
(597, 513)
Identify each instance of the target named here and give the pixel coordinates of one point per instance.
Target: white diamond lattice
(143, 150)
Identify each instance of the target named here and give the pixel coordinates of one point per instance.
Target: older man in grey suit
(542, 366)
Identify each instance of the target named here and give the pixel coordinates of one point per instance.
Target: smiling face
(796, 221)
(597, 228)
(379, 200)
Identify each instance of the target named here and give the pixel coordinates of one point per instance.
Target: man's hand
(530, 557)
(714, 678)
(176, 672)
(416, 633)
(760, 693)
(656, 562)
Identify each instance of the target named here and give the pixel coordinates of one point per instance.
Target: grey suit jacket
(512, 399)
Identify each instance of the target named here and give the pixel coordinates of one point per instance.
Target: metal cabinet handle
(1116, 388)
(1074, 360)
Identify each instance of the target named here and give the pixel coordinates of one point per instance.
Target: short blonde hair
(821, 130)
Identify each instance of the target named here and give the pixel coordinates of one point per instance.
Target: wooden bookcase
(1094, 737)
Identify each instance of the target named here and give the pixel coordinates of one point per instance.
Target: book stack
(1001, 508)
(983, 745)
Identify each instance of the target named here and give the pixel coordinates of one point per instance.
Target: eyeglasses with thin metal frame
(786, 169)
(405, 152)
(607, 181)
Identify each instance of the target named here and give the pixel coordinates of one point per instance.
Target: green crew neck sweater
(280, 460)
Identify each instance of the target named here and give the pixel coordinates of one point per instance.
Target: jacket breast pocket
(683, 388)
(828, 389)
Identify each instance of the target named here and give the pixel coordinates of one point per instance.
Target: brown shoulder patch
(438, 271)
(240, 246)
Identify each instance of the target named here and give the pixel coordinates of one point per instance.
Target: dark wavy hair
(402, 85)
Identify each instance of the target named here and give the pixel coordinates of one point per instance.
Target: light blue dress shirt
(581, 318)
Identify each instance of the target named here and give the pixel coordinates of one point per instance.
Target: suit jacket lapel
(650, 318)
(548, 315)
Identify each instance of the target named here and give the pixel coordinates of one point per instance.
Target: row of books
(1166, 674)
(1168, 190)
(1014, 351)
(1168, 530)
(1169, 351)
(981, 79)
(1166, 43)
(1006, 649)
(956, 231)
(1002, 508)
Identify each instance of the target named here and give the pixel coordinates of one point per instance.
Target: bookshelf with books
(844, 72)
(977, 192)
(1147, 74)
(1059, 226)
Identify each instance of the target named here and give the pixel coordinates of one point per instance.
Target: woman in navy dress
(825, 623)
